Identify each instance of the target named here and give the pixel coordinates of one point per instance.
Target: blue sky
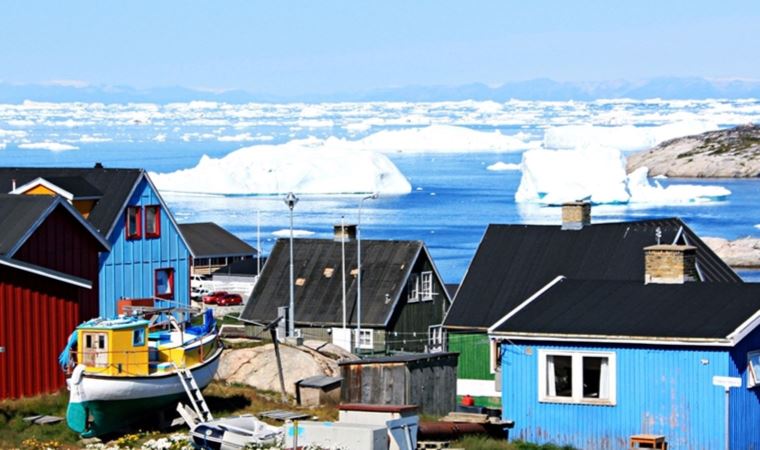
(288, 47)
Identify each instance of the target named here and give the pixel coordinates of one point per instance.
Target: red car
(229, 299)
(213, 298)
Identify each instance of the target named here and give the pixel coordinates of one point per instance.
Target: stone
(740, 253)
(730, 153)
(257, 366)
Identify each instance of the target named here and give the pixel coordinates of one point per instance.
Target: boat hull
(102, 404)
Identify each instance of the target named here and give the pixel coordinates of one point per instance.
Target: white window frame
(362, 342)
(494, 355)
(753, 375)
(435, 338)
(577, 372)
(426, 285)
(413, 288)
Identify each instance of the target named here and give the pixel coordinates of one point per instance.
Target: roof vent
(344, 233)
(670, 264)
(576, 215)
(98, 165)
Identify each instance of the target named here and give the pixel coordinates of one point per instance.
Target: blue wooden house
(513, 261)
(590, 363)
(149, 258)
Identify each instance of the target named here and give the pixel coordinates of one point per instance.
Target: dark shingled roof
(514, 261)
(114, 184)
(386, 265)
(77, 186)
(242, 267)
(207, 240)
(19, 214)
(634, 309)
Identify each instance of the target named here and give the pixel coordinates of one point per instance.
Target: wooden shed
(427, 380)
(318, 390)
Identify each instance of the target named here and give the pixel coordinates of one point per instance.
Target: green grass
(486, 443)
(13, 429)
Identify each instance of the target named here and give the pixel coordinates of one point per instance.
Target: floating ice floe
(308, 166)
(598, 174)
(439, 138)
(52, 146)
(296, 233)
(502, 166)
(625, 138)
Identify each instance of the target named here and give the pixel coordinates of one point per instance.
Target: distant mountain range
(537, 89)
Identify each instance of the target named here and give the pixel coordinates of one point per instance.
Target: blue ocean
(453, 199)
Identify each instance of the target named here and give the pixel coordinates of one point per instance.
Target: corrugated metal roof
(19, 214)
(207, 239)
(318, 290)
(630, 308)
(514, 261)
(115, 184)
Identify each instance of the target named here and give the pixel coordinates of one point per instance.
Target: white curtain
(604, 379)
(551, 377)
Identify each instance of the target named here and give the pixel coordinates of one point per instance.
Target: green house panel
(474, 354)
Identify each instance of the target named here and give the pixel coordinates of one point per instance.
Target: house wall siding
(474, 354)
(37, 315)
(408, 330)
(128, 271)
(61, 243)
(666, 391)
(744, 403)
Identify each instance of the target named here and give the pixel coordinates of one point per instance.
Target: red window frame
(170, 282)
(157, 229)
(137, 233)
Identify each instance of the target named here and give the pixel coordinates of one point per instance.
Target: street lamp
(291, 200)
(373, 196)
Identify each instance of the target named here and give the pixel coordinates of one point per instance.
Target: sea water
(453, 197)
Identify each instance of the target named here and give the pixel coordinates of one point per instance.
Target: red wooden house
(48, 285)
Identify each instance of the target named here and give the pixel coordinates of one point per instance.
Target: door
(95, 349)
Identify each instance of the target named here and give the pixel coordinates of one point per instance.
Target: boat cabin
(114, 347)
(133, 346)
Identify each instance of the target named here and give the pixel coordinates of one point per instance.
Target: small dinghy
(232, 433)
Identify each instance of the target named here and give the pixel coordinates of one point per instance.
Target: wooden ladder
(194, 394)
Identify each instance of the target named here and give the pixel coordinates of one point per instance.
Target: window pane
(150, 220)
(132, 221)
(559, 377)
(595, 377)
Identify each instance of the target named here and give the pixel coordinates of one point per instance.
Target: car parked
(229, 299)
(213, 298)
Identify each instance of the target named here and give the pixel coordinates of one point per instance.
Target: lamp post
(291, 200)
(373, 196)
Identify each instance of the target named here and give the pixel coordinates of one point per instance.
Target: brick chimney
(344, 233)
(576, 215)
(670, 264)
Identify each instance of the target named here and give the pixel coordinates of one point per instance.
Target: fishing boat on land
(125, 367)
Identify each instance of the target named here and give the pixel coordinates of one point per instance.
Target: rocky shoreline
(743, 253)
(730, 153)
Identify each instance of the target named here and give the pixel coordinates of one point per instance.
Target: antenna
(658, 234)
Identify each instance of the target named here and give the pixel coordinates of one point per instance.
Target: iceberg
(502, 166)
(557, 176)
(307, 166)
(439, 138)
(598, 174)
(52, 146)
(626, 138)
(285, 232)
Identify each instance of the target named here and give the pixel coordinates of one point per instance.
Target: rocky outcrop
(731, 153)
(741, 253)
(257, 366)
